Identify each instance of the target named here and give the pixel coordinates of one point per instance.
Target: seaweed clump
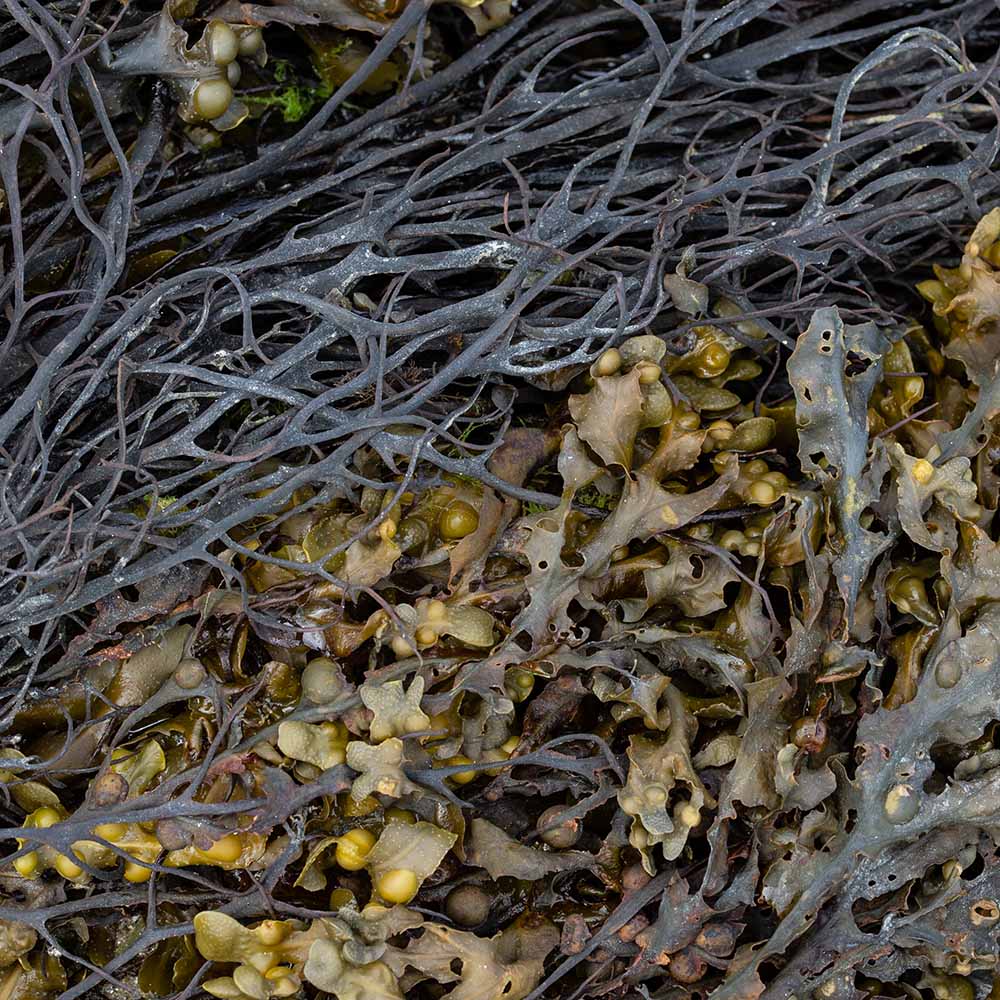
(497, 503)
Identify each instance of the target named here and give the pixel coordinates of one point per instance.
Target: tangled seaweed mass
(496, 499)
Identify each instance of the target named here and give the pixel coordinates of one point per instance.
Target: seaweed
(497, 499)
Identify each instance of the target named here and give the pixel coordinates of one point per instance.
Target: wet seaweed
(495, 498)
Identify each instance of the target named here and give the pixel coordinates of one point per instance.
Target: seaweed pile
(497, 499)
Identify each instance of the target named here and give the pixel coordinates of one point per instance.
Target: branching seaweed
(510, 527)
